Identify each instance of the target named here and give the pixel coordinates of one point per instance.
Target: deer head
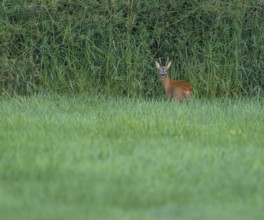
(163, 69)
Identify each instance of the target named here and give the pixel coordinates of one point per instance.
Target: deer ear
(168, 65)
(157, 64)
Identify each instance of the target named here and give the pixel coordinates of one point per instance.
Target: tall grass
(109, 47)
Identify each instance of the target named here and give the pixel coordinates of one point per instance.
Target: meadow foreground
(87, 158)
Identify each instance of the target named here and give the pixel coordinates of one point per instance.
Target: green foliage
(87, 158)
(109, 46)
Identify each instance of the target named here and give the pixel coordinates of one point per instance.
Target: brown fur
(177, 90)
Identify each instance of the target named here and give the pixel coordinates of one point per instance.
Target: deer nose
(162, 73)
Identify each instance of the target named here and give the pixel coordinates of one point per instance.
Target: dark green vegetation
(109, 46)
(88, 158)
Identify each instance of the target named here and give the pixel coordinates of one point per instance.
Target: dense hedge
(109, 46)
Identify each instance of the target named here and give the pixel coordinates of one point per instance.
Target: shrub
(109, 46)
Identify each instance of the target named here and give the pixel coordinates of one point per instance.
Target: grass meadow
(117, 158)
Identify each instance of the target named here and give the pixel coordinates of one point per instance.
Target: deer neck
(165, 82)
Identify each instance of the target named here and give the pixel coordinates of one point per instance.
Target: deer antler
(160, 61)
(167, 61)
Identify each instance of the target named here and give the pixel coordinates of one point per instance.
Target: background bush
(109, 46)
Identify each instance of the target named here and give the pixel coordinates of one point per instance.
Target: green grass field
(108, 158)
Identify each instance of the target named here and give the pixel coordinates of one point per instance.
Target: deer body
(175, 89)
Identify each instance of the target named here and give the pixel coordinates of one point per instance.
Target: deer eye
(163, 71)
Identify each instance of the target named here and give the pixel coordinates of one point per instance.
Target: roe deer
(177, 90)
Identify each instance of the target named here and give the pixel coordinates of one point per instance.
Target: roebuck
(177, 90)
